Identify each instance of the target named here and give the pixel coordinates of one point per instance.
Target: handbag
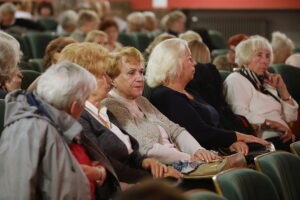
(207, 170)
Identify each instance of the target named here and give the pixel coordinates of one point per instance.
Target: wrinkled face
(7, 18)
(15, 81)
(188, 69)
(112, 33)
(130, 82)
(103, 83)
(260, 61)
(100, 39)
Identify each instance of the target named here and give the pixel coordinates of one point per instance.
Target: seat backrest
(290, 75)
(283, 170)
(143, 41)
(28, 77)
(244, 184)
(2, 112)
(38, 42)
(24, 46)
(295, 148)
(49, 23)
(204, 195)
(224, 74)
(217, 39)
(36, 64)
(127, 39)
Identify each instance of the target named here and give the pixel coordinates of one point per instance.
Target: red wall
(221, 4)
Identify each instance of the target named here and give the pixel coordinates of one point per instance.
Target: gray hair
(68, 18)
(282, 46)
(8, 8)
(87, 16)
(64, 83)
(9, 54)
(165, 62)
(246, 48)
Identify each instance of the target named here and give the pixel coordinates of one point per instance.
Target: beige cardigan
(146, 132)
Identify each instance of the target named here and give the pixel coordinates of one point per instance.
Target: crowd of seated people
(84, 130)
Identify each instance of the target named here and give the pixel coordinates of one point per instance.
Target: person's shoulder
(162, 91)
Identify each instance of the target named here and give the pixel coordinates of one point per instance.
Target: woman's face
(130, 82)
(260, 61)
(112, 33)
(188, 69)
(15, 81)
(103, 83)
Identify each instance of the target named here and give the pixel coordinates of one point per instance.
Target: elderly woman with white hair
(10, 75)
(261, 97)
(170, 76)
(157, 136)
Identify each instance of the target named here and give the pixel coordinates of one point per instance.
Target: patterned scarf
(256, 81)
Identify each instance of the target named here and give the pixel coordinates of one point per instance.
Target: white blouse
(256, 106)
(164, 150)
(113, 128)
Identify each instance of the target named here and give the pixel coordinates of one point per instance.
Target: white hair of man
(8, 7)
(282, 46)
(245, 49)
(166, 62)
(68, 19)
(64, 83)
(9, 54)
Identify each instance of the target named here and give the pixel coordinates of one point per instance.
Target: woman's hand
(171, 172)
(250, 138)
(239, 147)
(94, 173)
(204, 155)
(286, 131)
(157, 169)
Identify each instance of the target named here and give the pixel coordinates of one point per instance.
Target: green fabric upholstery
(2, 112)
(295, 148)
(127, 39)
(283, 170)
(49, 23)
(224, 74)
(217, 39)
(291, 78)
(24, 46)
(143, 41)
(36, 64)
(28, 77)
(38, 42)
(245, 184)
(218, 52)
(204, 195)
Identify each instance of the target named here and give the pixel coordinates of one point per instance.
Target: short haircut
(245, 49)
(107, 23)
(68, 19)
(199, 51)
(87, 16)
(8, 8)
(123, 56)
(173, 17)
(190, 35)
(42, 5)
(157, 40)
(282, 46)
(64, 83)
(91, 56)
(55, 46)
(9, 55)
(136, 19)
(165, 62)
(236, 39)
(92, 34)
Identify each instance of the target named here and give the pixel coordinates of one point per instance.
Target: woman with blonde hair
(156, 41)
(199, 51)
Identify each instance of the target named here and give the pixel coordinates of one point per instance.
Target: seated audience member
(135, 22)
(169, 79)
(24, 9)
(98, 37)
(227, 62)
(67, 22)
(190, 35)
(87, 21)
(45, 10)
(282, 47)
(156, 41)
(157, 136)
(10, 75)
(8, 21)
(261, 97)
(34, 143)
(293, 60)
(102, 127)
(110, 27)
(175, 22)
(151, 24)
(199, 51)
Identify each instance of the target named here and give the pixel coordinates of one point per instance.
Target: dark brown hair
(108, 23)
